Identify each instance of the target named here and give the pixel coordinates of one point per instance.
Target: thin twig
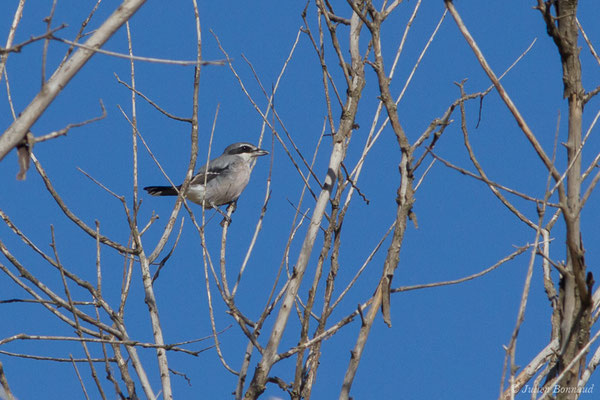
(18, 47)
(163, 262)
(66, 129)
(10, 39)
(507, 100)
(138, 58)
(63, 75)
(499, 186)
(72, 216)
(79, 377)
(511, 256)
(4, 383)
(152, 103)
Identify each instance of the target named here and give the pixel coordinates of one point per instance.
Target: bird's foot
(232, 206)
(226, 220)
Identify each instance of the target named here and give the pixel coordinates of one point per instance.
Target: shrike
(219, 182)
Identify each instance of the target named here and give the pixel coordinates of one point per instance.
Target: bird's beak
(260, 152)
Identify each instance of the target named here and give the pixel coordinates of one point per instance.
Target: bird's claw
(226, 220)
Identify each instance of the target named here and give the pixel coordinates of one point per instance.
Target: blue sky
(445, 342)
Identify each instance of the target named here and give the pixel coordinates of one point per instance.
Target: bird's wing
(216, 167)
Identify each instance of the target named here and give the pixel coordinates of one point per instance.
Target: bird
(219, 182)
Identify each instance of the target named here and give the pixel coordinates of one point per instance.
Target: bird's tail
(161, 190)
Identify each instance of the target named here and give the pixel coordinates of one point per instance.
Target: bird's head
(248, 151)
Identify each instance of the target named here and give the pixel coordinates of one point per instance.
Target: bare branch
(19, 128)
(511, 256)
(11, 37)
(138, 58)
(72, 216)
(259, 380)
(153, 104)
(18, 47)
(504, 95)
(4, 383)
(66, 129)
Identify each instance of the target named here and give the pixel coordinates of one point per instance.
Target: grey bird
(219, 182)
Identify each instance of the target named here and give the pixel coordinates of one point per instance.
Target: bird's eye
(246, 149)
